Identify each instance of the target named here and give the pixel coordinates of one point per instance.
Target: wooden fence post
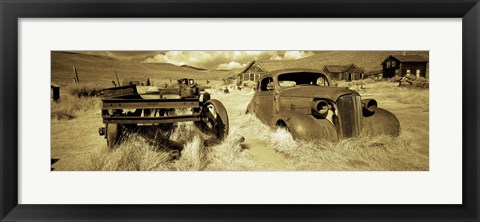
(76, 74)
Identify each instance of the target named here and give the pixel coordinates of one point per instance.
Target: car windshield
(302, 78)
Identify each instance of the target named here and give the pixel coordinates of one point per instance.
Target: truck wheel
(214, 119)
(113, 135)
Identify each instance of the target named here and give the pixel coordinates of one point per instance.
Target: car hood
(325, 92)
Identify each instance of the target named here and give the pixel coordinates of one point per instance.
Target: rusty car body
(306, 103)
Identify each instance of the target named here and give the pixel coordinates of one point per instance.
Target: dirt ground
(76, 144)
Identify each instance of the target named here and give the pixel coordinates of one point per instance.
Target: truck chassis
(124, 109)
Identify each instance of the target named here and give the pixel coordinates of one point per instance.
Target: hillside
(100, 69)
(369, 60)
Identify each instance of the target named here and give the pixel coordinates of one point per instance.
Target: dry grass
(69, 106)
(386, 90)
(412, 96)
(135, 155)
(139, 154)
(76, 98)
(84, 89)
(365, 153)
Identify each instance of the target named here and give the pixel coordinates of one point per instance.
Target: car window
(287, 83)
(266, 84)
(302, 78)
(322, 81)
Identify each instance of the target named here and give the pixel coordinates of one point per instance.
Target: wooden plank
(146, 120)
(119, 91)
(149, 103)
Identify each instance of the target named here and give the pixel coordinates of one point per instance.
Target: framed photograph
(225, 110)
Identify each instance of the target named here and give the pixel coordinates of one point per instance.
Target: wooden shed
(255, 69)
(401, 65)
(344, 72)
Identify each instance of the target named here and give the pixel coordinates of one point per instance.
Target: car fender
(381, 122)
(306, 127)
(250, 108)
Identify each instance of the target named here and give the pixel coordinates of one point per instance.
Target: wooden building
(344, 72)
(401, 65)
(255, 69)
(252, 72)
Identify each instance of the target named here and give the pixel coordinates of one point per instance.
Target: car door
(265, 100)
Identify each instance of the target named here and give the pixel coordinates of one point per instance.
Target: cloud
(123, 55)
(221, 59)
(231, 65)
(291, 55)
(159, 58)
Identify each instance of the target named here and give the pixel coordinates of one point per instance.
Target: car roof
(284, 71)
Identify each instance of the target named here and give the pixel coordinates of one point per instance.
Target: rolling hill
(100, 69)
(368, 60)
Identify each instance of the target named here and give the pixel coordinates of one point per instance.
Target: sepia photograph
(239, 110)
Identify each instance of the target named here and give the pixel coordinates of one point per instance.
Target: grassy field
(77, 145)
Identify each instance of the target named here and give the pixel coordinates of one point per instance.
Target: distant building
(251, 72)
(344, 72)
(401, 65)
(255, 69)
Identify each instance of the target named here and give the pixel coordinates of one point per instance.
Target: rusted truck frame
(124, 109)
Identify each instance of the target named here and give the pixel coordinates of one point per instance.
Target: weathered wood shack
(255, 69)
(344, 72)
(401, 65)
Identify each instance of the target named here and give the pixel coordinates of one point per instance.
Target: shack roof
(340, 68)
(407, 58)
(270, 65)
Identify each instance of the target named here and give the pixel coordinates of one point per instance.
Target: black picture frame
(11, 11)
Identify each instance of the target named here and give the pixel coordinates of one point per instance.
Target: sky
(226, 60)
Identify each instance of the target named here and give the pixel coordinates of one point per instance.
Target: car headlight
(369, 107)
(321, 107)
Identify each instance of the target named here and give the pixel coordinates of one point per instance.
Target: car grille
(350, 115)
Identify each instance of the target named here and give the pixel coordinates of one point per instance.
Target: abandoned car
(306, 103)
